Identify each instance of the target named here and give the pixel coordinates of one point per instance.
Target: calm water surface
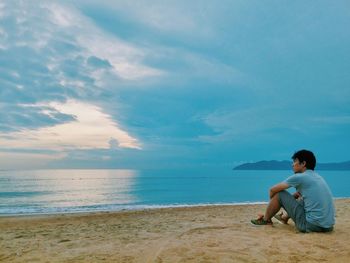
(66, 191)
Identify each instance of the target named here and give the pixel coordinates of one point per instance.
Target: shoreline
(181, 234)
(144, 208)
(136, 208)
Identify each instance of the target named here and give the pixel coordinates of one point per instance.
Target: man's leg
(294, 209)
(273, 207)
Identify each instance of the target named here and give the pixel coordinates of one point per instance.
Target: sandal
(260, 221)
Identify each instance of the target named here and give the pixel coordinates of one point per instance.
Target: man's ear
(303, 163)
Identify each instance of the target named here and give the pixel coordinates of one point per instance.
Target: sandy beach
(191, 234)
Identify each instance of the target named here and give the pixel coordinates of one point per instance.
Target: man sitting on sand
(311, 207)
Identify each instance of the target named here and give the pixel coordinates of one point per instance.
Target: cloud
(210, 70)
(17, 160)
(63, 35)
(30, 117)
(90, 129)
(174, 17)
(332, 120)
(2, 9)
(98, 63)
(50, 52)
(125, 58)
(185, 78)
(244, 123)
(273, 124)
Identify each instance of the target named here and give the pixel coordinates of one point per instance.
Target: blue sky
(172, 84)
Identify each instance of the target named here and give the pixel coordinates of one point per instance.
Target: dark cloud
(40, 63)
(16, 117)
(98, 63)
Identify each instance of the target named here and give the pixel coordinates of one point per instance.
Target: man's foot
(260, 221)
(281, 219)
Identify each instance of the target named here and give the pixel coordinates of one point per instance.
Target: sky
(172, 84)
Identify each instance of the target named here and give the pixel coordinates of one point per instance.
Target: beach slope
(192, 234)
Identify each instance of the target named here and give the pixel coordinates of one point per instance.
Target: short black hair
(305, 156)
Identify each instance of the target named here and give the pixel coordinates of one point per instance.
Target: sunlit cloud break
(90, 129)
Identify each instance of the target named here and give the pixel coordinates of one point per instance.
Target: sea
(79, 191)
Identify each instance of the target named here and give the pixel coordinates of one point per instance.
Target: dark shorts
(296, 211)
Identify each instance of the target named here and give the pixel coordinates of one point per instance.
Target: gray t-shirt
(318, 200)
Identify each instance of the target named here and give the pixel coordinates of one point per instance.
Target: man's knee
(284, 192)
(283, 195)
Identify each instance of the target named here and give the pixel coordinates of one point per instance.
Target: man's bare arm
(278, 188)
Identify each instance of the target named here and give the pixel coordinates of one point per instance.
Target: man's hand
(297, 195)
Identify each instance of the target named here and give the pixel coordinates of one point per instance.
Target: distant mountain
(287, 165)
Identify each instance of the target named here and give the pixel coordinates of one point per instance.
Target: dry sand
(196, 234)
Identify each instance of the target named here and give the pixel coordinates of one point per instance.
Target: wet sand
(192, 234)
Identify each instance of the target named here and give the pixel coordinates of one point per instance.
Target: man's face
(298, 167)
